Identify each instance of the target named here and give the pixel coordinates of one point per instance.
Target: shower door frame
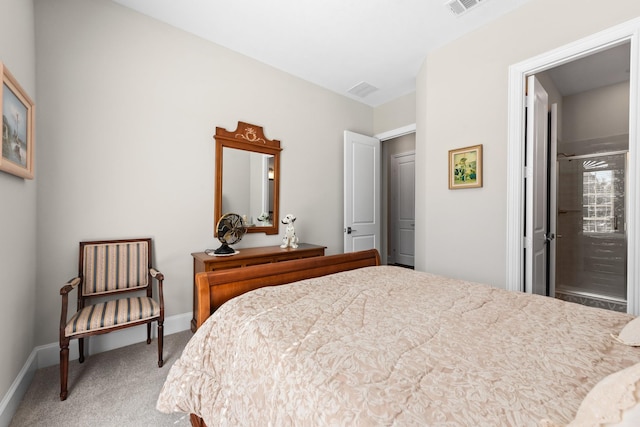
(625, 154)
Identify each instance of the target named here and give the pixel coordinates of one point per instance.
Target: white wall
(17, 207)
(461, 101)
(128, 109)
(596, 113)
(395, 114)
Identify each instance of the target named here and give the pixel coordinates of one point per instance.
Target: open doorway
(586, 175)
(518, 243)
(367, 185)
(398, 200)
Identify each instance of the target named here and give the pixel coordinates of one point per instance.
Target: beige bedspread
(391, 346)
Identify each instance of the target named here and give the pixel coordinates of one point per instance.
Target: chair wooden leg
(81, 349)
(160, 343)
(64, 369)
(149, 333)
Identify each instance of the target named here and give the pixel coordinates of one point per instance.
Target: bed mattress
(391, 346)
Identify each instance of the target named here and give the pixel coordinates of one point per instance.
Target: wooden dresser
(249, 256)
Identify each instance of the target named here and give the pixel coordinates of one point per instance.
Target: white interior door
(362, 192)
(536, 188)
(403, 207)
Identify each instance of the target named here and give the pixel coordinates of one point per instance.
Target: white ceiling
(600, 69)
(335, 44)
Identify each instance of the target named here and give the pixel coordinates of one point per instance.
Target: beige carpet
(114, 388)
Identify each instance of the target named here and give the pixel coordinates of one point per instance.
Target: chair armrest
(69, 286)
(156, 274)
(160, 278)
(64, 291)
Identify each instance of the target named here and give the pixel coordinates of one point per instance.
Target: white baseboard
(11, 401)
(49, 355)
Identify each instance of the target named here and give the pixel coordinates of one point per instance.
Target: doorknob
(549, 237)
(349, 230)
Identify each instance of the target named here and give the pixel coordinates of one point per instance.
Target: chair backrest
(114, 266)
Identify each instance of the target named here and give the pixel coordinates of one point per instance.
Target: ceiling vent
(459, 7)
(362, 89)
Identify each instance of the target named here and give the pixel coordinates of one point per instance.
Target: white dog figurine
(290, 239)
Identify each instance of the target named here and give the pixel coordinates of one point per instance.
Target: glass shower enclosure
(591, 245)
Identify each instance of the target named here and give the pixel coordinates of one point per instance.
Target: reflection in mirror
(246, 187)
(248, 177)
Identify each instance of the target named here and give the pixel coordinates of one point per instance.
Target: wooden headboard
(214, 288)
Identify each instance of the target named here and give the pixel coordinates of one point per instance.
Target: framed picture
(17, 127)
(465, 167)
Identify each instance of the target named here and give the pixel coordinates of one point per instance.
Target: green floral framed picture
(465, 167)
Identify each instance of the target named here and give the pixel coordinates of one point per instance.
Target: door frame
(385, 136)
(552, 179)
(395, 133)
(625, 32)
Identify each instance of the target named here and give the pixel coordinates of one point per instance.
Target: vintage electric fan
(230, 230)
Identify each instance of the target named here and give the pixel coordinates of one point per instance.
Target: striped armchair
(119, 275)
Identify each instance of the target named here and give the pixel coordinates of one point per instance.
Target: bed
(342, 340)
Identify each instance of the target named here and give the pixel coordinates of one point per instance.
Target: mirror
(246, 187)
(247, 177)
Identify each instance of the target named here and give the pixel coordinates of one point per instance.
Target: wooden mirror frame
(247, 137)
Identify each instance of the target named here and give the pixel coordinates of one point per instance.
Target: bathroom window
(598, 198)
